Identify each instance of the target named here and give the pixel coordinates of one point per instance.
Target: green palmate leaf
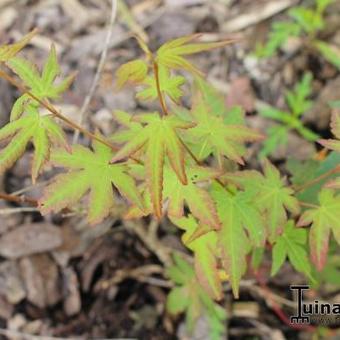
(305, 172)
(192, 194)
(335, 128)
(324, 219)
(257, 258)
(169, 85)
(19, 106)
(9, 51)
(292, 243)
(130, 127)
(41, 85)
(189, 297)
(41, 131)
(272, 197)
(198, 200)
(206, 254)
(213, 99)
(159, 138)
(242, 228)
(134, 71)
(172, 54)
(89, 171)
(218, 134)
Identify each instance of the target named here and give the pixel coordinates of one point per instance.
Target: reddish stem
(18, 199)
(158, 86)
(318, 179)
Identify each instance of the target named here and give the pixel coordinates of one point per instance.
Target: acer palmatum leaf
(178, 195)
(292, 243)
(133, 71)
(88, 172)
(172, 54)
(205, 249)
(188, 296)
(242, 227)
(41, 84)
(216, 135)
(159, 139)
(272, 197)
(169, 85)
(42, 131)
(324, 219)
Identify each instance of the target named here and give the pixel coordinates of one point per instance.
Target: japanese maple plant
(182, 162)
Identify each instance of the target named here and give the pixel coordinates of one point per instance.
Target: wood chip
(72, 301)
(11, 286)
(40, 275)
(256, 15)
(30, 239)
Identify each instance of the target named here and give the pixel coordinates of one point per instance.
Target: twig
(18, 199)
(308, 205)
(59, 115)
(86, 103)
(264, 294)
(318, 179)
(29, 188)
(257, 15)
(142, 274)
(277, 309)
(11, 334)
(10, 211)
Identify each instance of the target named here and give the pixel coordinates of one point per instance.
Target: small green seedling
(298, 103)
(306, 23)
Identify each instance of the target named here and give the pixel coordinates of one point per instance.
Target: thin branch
(59, 115)
(11, 334)
(18, 199)
(19, 210)
(142, 274)
(308, 205)
(318, 179)
(86, 103)
(29, 188)
(199, 163)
